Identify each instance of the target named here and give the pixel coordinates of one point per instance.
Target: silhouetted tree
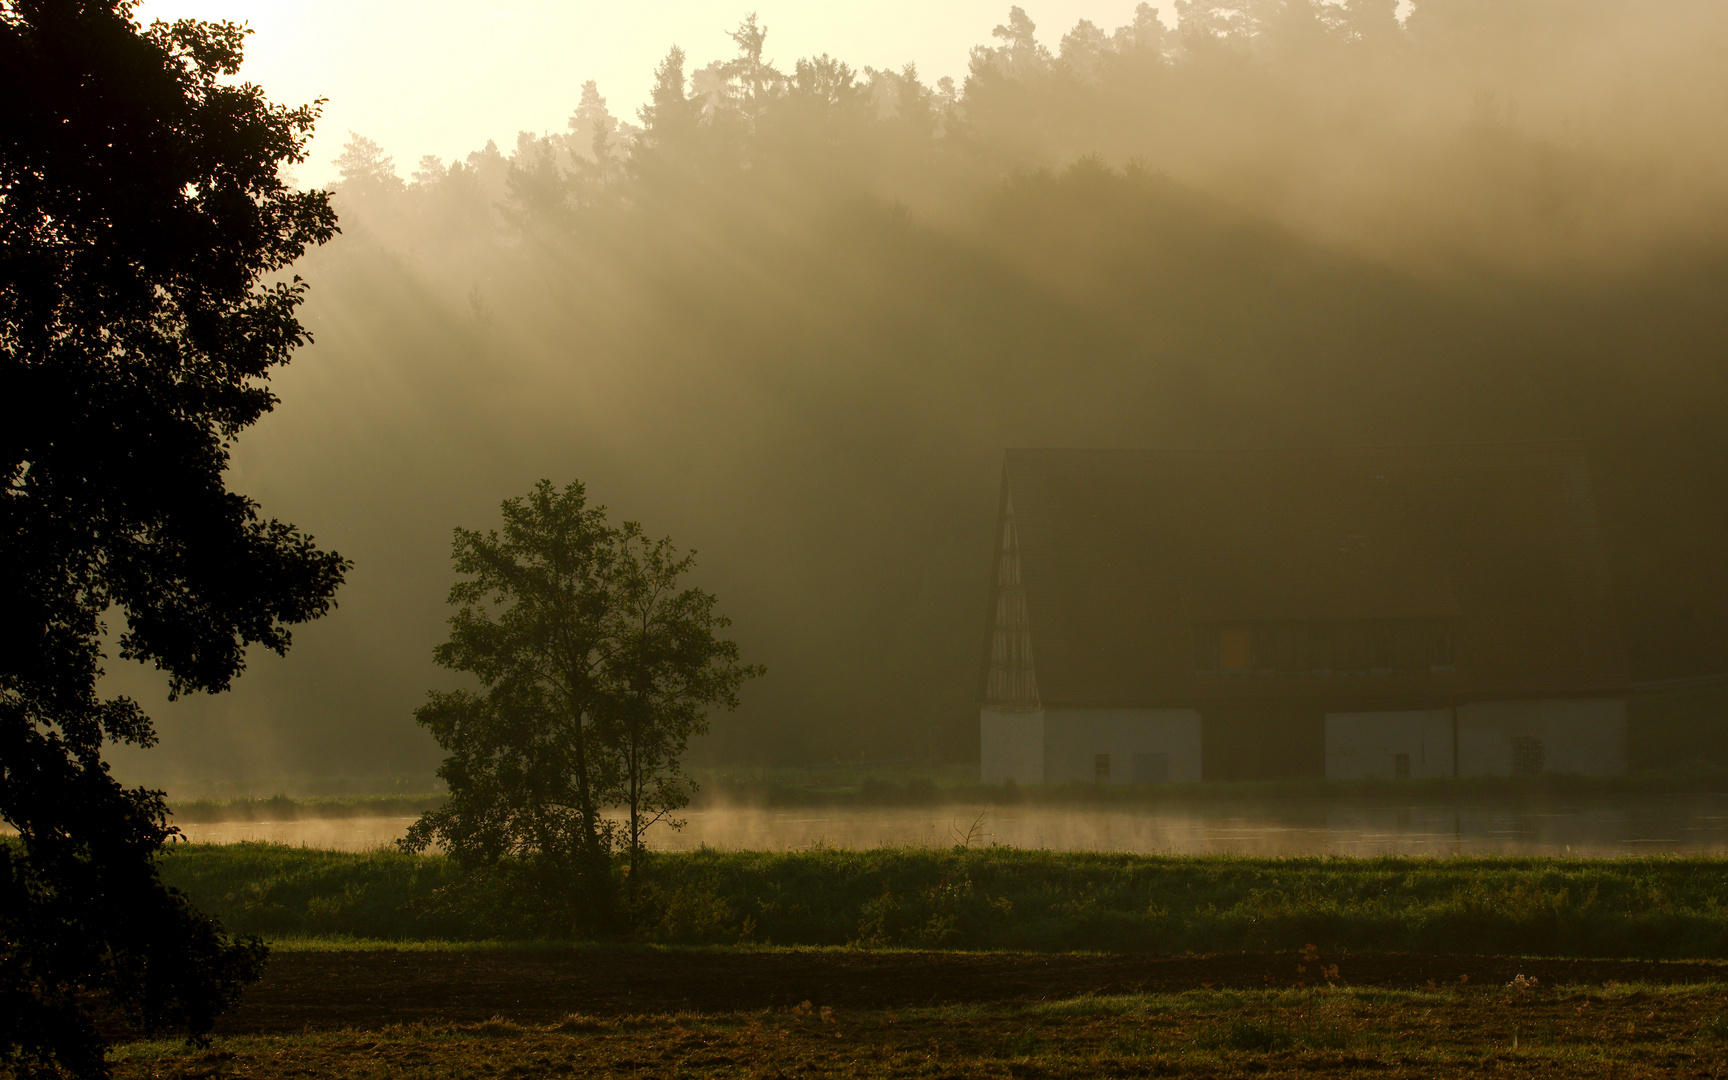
(529, 771)
(1083, 51)
(668, 670)
(365, 168)
(593, 138)
(489, 171)
(539, 188)
(430, 170)
(595, 672)
(1144, 34)
(1020, 54)
(140, 206)
(758, 80)
(667, 143)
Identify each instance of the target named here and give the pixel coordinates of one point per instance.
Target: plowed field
(311, 991)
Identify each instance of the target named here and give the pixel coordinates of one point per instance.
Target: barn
(1417, 611)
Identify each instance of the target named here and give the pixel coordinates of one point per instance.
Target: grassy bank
(1002, 898)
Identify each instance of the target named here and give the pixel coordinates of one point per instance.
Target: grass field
(388, 965)
(1006, 898)
(1378, 967)
(1515, 1030)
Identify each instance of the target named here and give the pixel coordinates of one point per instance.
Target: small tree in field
(668, 670)
(595, 671)
(528, 773)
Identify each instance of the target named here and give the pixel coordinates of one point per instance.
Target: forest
(793, 311)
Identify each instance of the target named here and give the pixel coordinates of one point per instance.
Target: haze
(797, 332)
(442, 78)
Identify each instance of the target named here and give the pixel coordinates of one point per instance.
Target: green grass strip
(1004, 898)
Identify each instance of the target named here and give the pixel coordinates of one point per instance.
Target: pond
(1687, 824)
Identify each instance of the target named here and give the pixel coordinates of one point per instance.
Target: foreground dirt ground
(321, 991)
(1526, 1029)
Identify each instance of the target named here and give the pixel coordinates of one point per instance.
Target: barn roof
(1121, 553)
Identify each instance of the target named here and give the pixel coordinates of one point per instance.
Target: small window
(1401, 766)
(1528, 756)
(1101, 766)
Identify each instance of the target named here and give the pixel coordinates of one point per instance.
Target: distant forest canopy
(1525, 131)
(794, 311)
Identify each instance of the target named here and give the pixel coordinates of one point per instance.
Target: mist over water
(792, 314)
(1684, 825)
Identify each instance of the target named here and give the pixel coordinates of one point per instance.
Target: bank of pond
(987, 898)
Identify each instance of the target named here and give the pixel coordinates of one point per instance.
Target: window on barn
(1101, 766)
(1326, 647)
(1401, 766)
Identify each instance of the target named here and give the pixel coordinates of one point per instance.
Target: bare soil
(314, 991)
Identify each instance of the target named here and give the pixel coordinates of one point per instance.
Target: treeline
(1525, 133)
(794, 312)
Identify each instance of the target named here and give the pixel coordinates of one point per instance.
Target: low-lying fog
(1690, 824)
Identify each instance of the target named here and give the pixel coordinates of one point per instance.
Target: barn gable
(1010, 677)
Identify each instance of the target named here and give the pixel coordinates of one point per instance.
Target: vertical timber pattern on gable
(1012, 681)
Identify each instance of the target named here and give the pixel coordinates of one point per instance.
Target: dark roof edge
(1306, 449)
(1408, 702)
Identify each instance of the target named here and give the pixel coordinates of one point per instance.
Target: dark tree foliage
(667, 668)
(140, 207)
(528, 771)
(596, 668)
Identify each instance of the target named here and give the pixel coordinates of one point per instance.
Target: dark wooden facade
(1268, 588)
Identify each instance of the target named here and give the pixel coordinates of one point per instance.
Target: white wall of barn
(1144, 746)
(1011, 746)
(1581, 736)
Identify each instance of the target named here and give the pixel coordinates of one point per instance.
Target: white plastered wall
(1366, 744)
(1010, 746)
(1074, 737)
(1583, 736)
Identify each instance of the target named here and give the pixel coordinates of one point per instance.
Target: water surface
(1688, 825)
